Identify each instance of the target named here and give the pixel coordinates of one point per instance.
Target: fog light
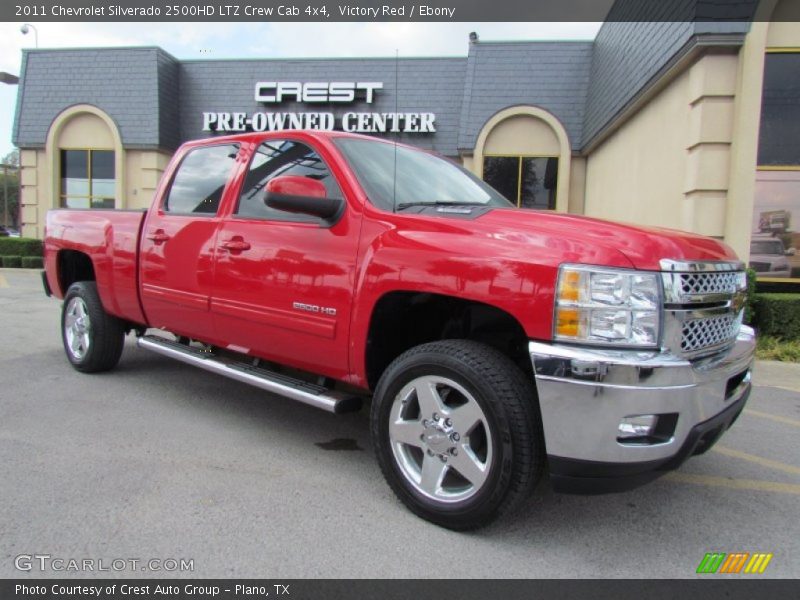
(637, 426)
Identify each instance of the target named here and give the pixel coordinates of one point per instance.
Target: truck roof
(257, 136)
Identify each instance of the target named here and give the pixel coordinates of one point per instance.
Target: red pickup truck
(493, 341)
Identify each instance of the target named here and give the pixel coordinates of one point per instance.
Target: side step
(277, 383)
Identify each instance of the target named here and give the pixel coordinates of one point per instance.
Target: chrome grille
(709, 283)
(712, 332)
(703, 306)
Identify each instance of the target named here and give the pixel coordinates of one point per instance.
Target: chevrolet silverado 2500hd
(492, 340)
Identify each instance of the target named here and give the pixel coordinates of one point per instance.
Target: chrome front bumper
(585, 393)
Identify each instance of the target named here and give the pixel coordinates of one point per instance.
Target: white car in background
(768, 256)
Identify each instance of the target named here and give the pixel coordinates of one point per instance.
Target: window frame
(295, 218)
(62, 196)
(229, 179)
(789, 167)
(520, 158)
(775, 168)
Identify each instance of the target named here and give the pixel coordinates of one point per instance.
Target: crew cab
(491, 341)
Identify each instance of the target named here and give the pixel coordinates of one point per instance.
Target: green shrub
(11, 262)
(770, 348)
(10, 246)
(778, 315)
(32, 262)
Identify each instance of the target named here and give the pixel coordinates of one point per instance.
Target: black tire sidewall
(487, 500)
(106, 334)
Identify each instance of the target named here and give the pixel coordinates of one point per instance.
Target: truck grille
(708, 283)
(699, 334)
(704, 304)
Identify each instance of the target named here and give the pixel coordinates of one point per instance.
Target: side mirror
(791, 252)
(304, 195)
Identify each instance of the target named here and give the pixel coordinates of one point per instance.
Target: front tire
(93, 339)
(456, 429)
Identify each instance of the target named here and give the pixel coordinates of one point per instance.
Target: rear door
(283, 281)
(177, 249)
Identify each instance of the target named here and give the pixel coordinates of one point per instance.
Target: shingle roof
(132, 85)
(550, 75)
(158, 101)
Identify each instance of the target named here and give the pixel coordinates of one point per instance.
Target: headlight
(607, 306)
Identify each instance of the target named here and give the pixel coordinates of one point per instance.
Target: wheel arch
(73, 266)
(402, 319)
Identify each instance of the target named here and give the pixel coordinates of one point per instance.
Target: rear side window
(198, 185)
(281, 157)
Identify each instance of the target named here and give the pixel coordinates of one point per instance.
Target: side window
(198, 185)
(281, 157)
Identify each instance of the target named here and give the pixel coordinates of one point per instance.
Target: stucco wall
(638, 173)
(143, 172)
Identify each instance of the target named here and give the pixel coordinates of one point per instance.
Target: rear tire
(457, 432)
(93, 339)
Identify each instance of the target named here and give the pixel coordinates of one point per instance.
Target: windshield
(766, 247)
(422, 178)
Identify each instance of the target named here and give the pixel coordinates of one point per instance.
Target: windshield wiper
(404, 205)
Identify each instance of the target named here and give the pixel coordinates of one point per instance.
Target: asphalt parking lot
(158, 460)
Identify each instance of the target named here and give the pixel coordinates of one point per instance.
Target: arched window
(523, 152)
(86, 158)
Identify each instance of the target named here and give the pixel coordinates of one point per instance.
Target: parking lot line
(763, 415)
(3, 282)
(764, 462)
(735, 484)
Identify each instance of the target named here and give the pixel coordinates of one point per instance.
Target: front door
(177, 249)
(283, 281)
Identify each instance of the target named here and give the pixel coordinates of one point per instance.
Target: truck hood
(642, 246)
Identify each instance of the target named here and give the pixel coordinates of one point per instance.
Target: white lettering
(315, 91)
(295, 121)
(436, 11)
(259, 121)
(209, 118)
(275, 121)
(426, 123)
(346, 125)
(362, 122)
(257, 11)
(238, 121)
(341, 91)
(411, 122)
(358, 11)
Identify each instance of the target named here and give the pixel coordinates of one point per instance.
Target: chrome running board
(277, 383)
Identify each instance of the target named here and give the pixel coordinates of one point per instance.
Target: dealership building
(690, 125)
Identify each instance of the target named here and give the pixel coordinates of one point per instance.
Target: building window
(87, 179)
(776, 216)
(527, 181)
(779, 137)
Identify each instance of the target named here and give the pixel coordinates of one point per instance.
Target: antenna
(396, 113)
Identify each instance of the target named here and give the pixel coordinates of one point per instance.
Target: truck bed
(110, 238)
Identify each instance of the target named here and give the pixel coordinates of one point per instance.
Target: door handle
(159, 236)
(236, 244)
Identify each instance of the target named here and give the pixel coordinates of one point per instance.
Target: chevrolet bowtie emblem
(738, 301)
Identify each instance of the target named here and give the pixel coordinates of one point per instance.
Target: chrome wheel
(440, 439)
(77, 328)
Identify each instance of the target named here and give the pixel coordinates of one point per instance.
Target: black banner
(398, 589)
(382, 10)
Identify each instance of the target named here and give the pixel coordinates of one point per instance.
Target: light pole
(26, 27)
(9, 79)
(5, 195)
